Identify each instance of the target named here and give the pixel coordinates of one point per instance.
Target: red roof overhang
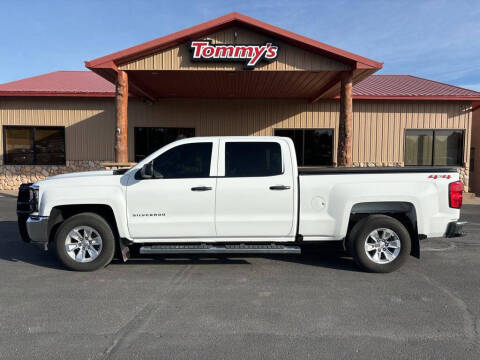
(57, 94)
(234, 18)
(413, 97)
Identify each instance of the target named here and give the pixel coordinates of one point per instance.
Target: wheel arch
(403, 211)
(61, 213)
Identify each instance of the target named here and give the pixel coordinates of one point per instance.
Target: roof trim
(354, 97)
(221, 22)
(57, 94)
(413, 97)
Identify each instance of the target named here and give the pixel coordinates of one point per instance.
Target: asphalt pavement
(317, 305)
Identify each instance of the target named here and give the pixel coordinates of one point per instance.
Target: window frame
(330, 130)
(177, 148)
(148, 139)
(34, 128)
(213, 160)
(434, 131)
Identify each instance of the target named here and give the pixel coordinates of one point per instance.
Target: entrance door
(179, 201)
(255, 197)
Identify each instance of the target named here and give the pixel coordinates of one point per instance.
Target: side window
(149, 139)
(34, 145)
(184, 161)
(434, 147)
(314, 147)
(243, 159)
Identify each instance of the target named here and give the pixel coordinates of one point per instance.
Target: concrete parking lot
(317, 305)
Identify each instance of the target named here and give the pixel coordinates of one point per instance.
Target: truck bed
(373, 170)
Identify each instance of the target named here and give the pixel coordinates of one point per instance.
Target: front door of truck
(255, 189)
(179, 200)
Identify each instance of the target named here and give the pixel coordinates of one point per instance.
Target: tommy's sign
(204, 50)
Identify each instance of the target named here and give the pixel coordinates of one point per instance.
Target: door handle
(279, 187)
(201, 188)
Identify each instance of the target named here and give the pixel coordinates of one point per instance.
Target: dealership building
(235, 75)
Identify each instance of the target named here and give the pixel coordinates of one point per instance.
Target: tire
(95, 253)
(379, 256)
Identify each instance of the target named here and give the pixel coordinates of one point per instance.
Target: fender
(351, 194)
(98, 194)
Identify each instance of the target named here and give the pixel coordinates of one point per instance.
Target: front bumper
(37, 229)
(455, 229)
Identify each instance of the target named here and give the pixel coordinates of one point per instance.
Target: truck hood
(79, 179)
(89, 187)
(81, 174)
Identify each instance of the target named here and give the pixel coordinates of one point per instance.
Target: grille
(25, 202)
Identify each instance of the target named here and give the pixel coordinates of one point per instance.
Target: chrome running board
(220, 249)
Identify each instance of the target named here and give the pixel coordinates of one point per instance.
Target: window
(184, 161)
(314, 147)
(34, 145)
(252, 159)
(434, 147)
(150, 139)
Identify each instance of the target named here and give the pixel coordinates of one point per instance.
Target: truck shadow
(326, 256)
(318, 258)
(13, 249)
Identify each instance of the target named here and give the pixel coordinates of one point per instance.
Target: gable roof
(398, 87)
(223, 22)
(60, 83)
(382, 87)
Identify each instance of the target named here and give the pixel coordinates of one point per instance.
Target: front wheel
(85, 242)
(379, 243)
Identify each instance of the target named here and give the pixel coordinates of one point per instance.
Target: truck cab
(208, 188)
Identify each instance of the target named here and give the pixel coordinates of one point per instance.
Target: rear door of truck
(255, 189)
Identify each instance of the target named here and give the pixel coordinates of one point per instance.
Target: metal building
(233, 75)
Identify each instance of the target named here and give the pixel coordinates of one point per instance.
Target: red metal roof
(398, 87)
(383, 87)
(234, 18)
(60, 83)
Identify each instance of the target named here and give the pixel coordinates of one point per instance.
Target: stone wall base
(11, 176)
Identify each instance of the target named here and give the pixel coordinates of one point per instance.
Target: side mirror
(146, 172)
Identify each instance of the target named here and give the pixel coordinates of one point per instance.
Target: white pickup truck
(239, 195)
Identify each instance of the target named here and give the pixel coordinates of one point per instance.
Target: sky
(435, 39)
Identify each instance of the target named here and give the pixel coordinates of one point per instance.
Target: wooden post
(121, 100)
(345, 128)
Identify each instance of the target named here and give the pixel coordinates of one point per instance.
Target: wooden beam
(345, 128)
(327, 87)
(138, 88)
(121, 101)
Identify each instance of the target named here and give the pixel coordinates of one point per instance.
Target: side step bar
(220, 249)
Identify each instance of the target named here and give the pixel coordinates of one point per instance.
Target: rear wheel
(85, 242)
(379, 243)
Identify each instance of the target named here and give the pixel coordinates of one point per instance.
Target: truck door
(255, 189)
(179, 200)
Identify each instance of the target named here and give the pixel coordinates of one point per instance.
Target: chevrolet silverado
(238, 195)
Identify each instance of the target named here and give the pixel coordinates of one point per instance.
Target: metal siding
(232, 117)
(289, 58)
(378, 135)
(379, 126)
(475, 143)
(89, 123)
